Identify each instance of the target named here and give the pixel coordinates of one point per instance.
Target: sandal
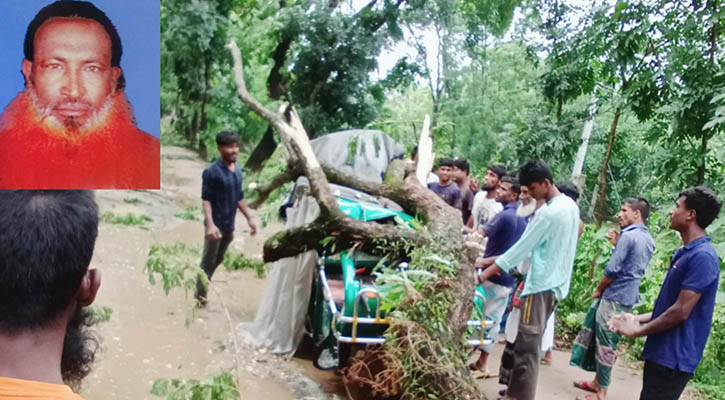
(585, 385)
(484, 374)
(586, 397)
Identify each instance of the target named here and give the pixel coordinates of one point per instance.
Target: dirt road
(146, 337)
(556, 380)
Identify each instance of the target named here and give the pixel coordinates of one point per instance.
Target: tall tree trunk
(559, 107)
(713, 49)
(194, 128)
(605, 165)
(276, 89)
(703, 154)
(204, 99)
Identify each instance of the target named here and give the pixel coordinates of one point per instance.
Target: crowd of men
(529, 228)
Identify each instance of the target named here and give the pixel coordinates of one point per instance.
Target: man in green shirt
(551, 239)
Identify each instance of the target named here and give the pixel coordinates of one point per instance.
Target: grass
(100, 313)
(132, 200)
(234, 261)
(125, 219)
(189, 213)
(176, 265)
(218, 387)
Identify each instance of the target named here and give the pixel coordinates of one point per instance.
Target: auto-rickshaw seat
(337, 290)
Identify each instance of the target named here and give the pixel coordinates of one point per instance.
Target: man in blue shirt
(502, 232)
(551, 239)
(595, 347)
(678, 327)
(445, 188)
(222, 195)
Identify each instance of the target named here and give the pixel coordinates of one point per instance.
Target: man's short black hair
(535, 171)
(498, 169)
(640, 204)
(76, 9)
(515, 185)
(46, 244)
(225, 138)
(446, 162)
(705, 203)
(569, 189)
(462, 164)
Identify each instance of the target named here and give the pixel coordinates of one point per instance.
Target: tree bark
(605, 165)
(275, 87)
(703, 156)
(264, 191)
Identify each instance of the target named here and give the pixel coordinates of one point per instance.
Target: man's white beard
(526, 209)
(69, 125)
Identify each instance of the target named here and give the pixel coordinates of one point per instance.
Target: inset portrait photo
(79, 94)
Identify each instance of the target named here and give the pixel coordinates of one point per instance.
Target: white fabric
(281, 313)
(373, 152)
(512, 329)
(484, 209)
(512, 325)
(279, 323)
(547, 341)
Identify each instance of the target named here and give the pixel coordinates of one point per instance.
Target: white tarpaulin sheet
(279, 323)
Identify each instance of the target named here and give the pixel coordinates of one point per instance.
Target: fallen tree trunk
(429, 325)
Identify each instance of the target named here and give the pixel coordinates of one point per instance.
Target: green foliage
(418, 337)
(189, 213)
(100, 313)
(217, 387)
(125, 219)
(235, 261)
(593, 251)
(709, 375)
(176, 265)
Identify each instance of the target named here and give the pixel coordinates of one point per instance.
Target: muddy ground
(147, 338)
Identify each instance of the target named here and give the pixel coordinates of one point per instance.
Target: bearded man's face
(71, 77)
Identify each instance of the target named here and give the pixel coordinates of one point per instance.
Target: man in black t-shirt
(222, 195)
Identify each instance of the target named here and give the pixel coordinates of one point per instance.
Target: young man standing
(678, 327)
(551, 239)
(445, 188)
(460, 172)
(485, 205)
(222, 195)
(502, 232)
(46, 245)
(595, 347)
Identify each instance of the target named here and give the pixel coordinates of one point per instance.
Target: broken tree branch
(263, 191)
(331, 222)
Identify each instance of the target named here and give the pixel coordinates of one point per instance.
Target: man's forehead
(73, 34)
